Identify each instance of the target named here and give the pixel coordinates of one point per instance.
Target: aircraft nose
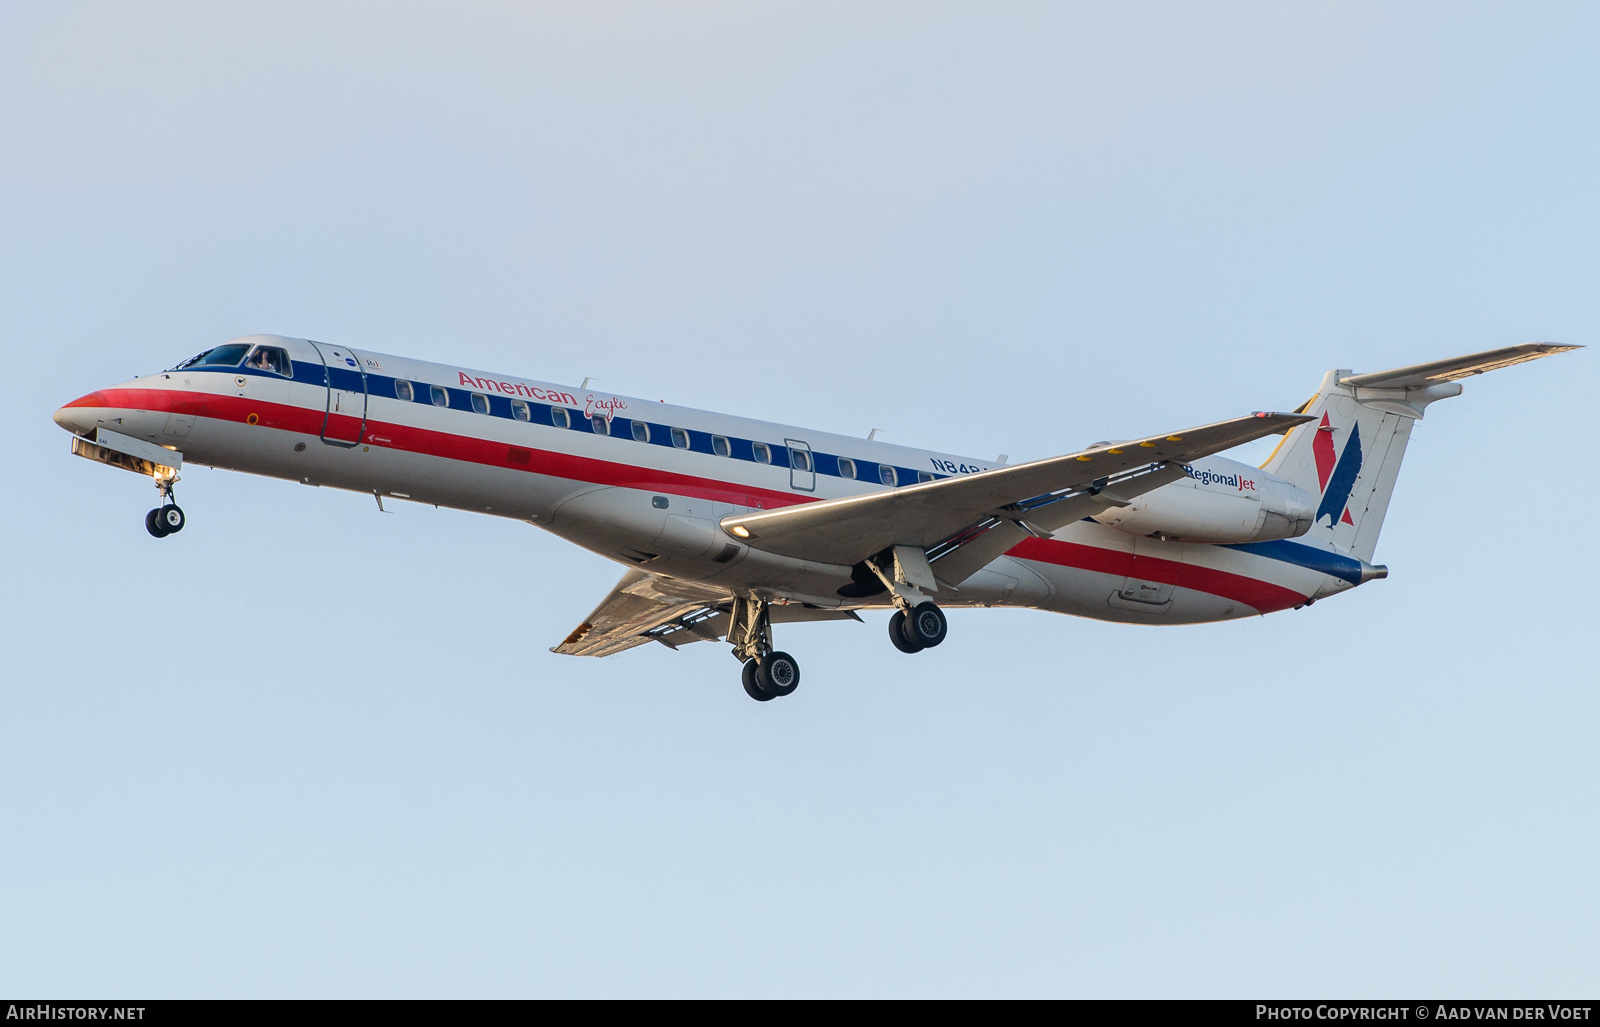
(79, 416)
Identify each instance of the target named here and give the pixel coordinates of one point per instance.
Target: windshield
(220, 356)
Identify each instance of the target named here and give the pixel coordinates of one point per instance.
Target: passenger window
(680, 438)
(799, 459)
(924, 475)
(847, 467)
(480, 403)
(641, 431)
(763, 454)
(519, 410)
(271, 358)
(402, 391)
(559, 418)
(600, 425)
(719, 446)
(440, 397)
(886, 474)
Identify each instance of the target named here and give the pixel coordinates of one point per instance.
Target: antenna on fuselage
(585, 384)
(873, 434)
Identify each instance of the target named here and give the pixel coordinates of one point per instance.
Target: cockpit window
(271, 358)
(218, 356)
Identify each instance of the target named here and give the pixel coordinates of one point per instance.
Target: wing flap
(640, 603)
(645, 607)
(846, 531)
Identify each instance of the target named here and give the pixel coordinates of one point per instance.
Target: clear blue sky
(308, 749)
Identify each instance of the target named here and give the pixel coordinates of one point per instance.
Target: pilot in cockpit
(261, 359)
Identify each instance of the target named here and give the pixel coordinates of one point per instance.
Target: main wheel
(779, 674)
(752, 686)
(926, 626)
(171, 518)
(899, 636)
(152, 524)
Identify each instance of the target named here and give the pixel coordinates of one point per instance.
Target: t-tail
(1349, 453)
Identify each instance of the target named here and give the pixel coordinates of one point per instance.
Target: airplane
(728, 526)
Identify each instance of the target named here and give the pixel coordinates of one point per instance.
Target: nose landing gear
(168, 517)
(164, 520)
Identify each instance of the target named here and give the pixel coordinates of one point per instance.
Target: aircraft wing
(846, 531)
(640, 603)
(645, 607)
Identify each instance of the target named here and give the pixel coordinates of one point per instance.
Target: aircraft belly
(681, 539)
(1145, 581)
(393, 473)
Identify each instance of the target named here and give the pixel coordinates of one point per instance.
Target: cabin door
(802, 466)
(345, 422)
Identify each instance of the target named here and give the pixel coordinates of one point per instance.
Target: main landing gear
(768, 674)
(924, 628)
(167, 518)
(768, 677)
(917, 623)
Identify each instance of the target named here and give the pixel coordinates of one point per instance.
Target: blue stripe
(1302, 555)
(383, 386)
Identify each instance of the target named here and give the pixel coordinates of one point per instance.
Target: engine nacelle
(1220, 501)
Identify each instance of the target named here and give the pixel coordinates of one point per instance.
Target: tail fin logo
(1322, 449)
(1336, 474)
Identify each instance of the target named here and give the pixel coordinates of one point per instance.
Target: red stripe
(1259, 595)
(404, 438)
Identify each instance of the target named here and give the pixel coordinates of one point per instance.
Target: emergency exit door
(802, 466)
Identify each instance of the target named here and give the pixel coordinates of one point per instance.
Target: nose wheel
(164, 520)
(167, 518)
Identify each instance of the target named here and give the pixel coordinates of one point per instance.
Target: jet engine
(1219, 501)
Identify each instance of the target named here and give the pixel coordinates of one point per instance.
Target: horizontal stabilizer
(1438, 371)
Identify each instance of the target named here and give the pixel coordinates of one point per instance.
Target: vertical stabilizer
(1348, 455)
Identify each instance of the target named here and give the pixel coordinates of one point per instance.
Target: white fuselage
(654, 495)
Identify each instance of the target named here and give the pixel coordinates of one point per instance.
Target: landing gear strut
(168, 517)
(768, 673)
(917, 623)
